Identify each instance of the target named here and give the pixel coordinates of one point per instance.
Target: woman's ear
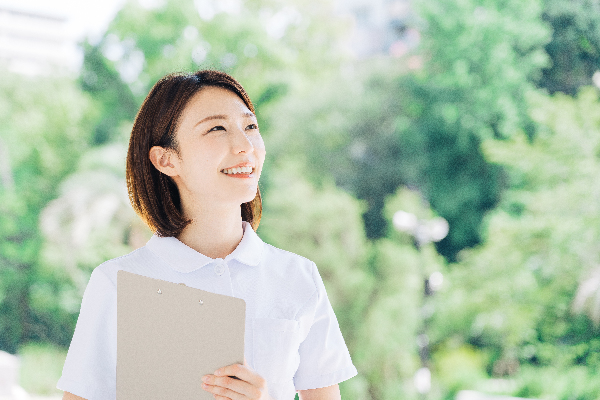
(164, 160)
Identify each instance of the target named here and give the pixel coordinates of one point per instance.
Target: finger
(242, 372)
(223, 393)
(231, 383)
(217, 397)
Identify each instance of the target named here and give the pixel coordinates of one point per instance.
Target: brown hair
(153, 195)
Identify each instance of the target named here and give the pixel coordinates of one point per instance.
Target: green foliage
(558, 383)
(130, 58)
(91, 219)
(514, 297)
(480, 58)
(381, 127)
(112, 97)
(575, 46)
(484, 54)
(458, 367)
(45, 124)
(372, 149)
(374, 288)
(41, 367)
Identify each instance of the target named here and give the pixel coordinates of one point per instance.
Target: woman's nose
(241, 143)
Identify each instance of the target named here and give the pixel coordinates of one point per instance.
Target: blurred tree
(111, 96)
(587, 299)
(375, 288)
(45, 125)
(267, 45)
(91, 221)
(575, 46)
(481, 58)
(419, 121)
(515, 297)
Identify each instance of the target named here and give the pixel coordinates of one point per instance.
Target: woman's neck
(214, 233)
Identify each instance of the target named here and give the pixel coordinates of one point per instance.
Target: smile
(238, 170)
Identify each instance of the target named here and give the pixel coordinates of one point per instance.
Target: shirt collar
(182, 258)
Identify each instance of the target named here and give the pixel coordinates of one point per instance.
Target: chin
(242, 197)
(249, 199)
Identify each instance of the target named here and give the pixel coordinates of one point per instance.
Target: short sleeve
(90, 367)
(324, 357)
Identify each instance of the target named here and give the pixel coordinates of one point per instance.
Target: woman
(194, 160)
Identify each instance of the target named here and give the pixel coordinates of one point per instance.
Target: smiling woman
(194, 161)
(193, 106)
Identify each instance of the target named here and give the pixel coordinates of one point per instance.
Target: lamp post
(423, 232)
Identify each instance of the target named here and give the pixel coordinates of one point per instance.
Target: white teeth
(238, 170)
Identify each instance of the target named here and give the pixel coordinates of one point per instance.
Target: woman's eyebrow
(220, 116)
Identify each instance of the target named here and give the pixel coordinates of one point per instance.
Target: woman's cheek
(259, 146)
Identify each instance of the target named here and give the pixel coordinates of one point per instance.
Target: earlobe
(161, 159)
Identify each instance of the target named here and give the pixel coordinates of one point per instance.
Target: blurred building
(33, 43)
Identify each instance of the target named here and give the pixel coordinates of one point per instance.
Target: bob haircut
(153, 195)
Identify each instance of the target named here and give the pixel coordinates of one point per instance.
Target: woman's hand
(249, 386)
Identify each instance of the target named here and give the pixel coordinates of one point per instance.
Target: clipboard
(169, 335)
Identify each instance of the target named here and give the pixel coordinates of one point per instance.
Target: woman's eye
(252, 126)
(217, 128)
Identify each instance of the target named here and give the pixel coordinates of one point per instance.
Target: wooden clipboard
(169, 335)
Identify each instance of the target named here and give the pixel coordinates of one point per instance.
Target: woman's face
(221, 152)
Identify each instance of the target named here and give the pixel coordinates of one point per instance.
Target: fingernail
(205, 378)
(218, 372)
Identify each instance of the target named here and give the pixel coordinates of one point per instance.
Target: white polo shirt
(292, 337)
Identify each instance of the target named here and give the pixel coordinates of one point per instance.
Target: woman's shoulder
(290, 266)
(131, 262)
(272, 253)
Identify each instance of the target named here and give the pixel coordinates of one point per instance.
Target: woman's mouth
(238, 172)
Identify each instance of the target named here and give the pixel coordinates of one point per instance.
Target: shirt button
(219, 269)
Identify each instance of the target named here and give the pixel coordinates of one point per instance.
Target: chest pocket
(275, 344)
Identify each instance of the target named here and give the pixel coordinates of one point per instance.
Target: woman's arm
(327, 393)
(71, 396)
